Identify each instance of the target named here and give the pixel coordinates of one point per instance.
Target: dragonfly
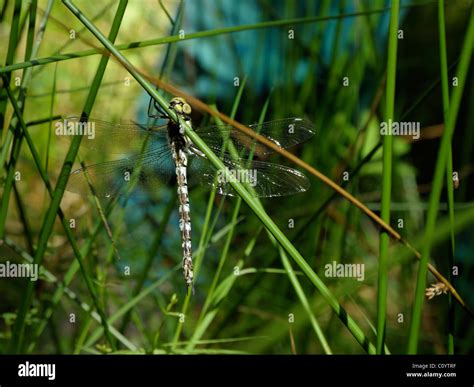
(153, 156)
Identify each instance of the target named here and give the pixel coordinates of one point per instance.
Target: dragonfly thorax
(175, 129)
(176, 136)
(180, 106)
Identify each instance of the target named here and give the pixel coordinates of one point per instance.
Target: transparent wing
(153, 167)
(285, 133)
(113, 138)
(146, 173)
(264, 179)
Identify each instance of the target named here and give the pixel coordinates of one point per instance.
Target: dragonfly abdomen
(181, 162)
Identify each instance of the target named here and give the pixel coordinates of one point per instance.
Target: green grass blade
(194, 35)
(462, 221)
(207, 315)
(204, 240)
(239, 188)
(441, 163)
(31, 29)
(46, 229)
(382, 287)
(69, 275)
(233, 221)
(27, 232)
(127, 307)
(50, 277)
(449, 167)
(14, 133)
(12, 46)
(8, 184)
(304, 302)
(150, 256)
(287, 245)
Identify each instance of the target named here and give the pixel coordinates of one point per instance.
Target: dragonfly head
(180, 106)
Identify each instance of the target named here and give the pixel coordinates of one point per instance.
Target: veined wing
(148, 172)
(285, 133)
(112, 138)
(262, 178)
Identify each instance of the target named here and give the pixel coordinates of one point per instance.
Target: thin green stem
(449, 167)
(63, 288)
(286, 244)
(15, 133)
(194, 35)
(387, 176)
(12, 45)
(150, 256)
(206, 232)
(304, 302)
(261, 214)
(17, 342)
(439, 173)
(70, 274)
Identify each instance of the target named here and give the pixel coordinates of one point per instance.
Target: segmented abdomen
(181, 162)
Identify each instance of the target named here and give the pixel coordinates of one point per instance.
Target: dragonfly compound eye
(186, 108)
